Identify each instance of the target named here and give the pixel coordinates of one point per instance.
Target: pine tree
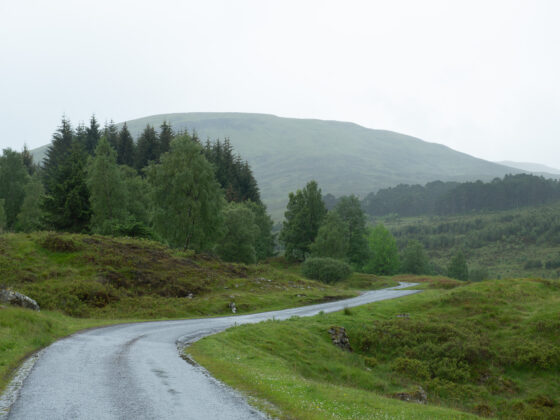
(107, 190)
(13, 178)
(111, 133)
(125, 147)
(28, 160)
(147, 148)
(93, 135)
(66, 203)
(56, 153)
(165, 137)
(304, 214)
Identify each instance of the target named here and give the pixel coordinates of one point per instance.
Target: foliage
(327, 270)
(30, 216)
(2, 216)
(457, 267)
(234, 175)
(92, 136)
(414, 259)
(107, 190)
(352, 215)
(147, 148)
(266, 240)
(66, 202)
(483, 348)
(240, 236)
(384, 254)
(13, 178)
(125, 147)
(189, 199)
(439, 198)
(332, 238)
(304, 214)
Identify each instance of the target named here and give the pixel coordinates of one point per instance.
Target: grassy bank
(82, 281)
(487, 349)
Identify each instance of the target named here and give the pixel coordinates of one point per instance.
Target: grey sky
(478, 76)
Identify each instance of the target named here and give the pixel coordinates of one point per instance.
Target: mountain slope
(343, 157)
(531, 167)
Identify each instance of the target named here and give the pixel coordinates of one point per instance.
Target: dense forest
(447, 198)
(165, 186)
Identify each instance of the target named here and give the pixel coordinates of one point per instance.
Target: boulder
(11, 297)
(419, 396)
(339, 338)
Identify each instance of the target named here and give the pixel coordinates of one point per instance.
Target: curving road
(133, 371)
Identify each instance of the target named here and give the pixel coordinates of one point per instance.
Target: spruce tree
(56, 153)
(165, 137)
(92, 135)
(125, 147)
(111, 133)
(147, 148)
(28, 160)
(66, 203)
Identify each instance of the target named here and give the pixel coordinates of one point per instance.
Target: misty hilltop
(342, 157)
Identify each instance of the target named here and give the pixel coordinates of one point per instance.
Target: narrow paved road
(133, 371)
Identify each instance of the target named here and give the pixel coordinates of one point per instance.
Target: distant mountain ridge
(536, 168)
(343, 157)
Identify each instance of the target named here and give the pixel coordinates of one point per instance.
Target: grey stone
(11, 297)
(339, 338)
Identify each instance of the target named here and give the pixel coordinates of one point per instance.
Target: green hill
(343, 157)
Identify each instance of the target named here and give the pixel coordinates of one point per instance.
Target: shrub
(411, 367)
(327, 270)
(531, 264)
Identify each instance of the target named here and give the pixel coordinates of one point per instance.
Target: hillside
(535, 168)
(343, 157)
(488, 349)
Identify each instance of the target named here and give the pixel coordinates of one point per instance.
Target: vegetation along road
(134, 370)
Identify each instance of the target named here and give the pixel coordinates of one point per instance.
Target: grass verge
(487, 349)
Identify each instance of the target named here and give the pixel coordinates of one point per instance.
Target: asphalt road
(134, 371)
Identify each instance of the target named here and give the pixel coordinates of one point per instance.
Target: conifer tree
(125, 147)
(28, 160)
(92, 135)
(147, 148)
(66, 203)
(107, 190)
(165, 137)
(111, 133)
(56, 153)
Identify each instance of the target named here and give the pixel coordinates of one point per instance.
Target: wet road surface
(134, 371)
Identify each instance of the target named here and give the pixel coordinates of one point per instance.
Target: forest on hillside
(166, 186)
(447, 198)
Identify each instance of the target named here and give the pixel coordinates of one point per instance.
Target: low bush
(327, 270)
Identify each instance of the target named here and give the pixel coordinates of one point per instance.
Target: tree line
(166, 186)
(448, 198)
(339, 239)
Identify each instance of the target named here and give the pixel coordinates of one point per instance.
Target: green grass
(490, 349)
(82, 281)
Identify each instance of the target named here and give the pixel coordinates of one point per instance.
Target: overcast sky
(479, 76)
